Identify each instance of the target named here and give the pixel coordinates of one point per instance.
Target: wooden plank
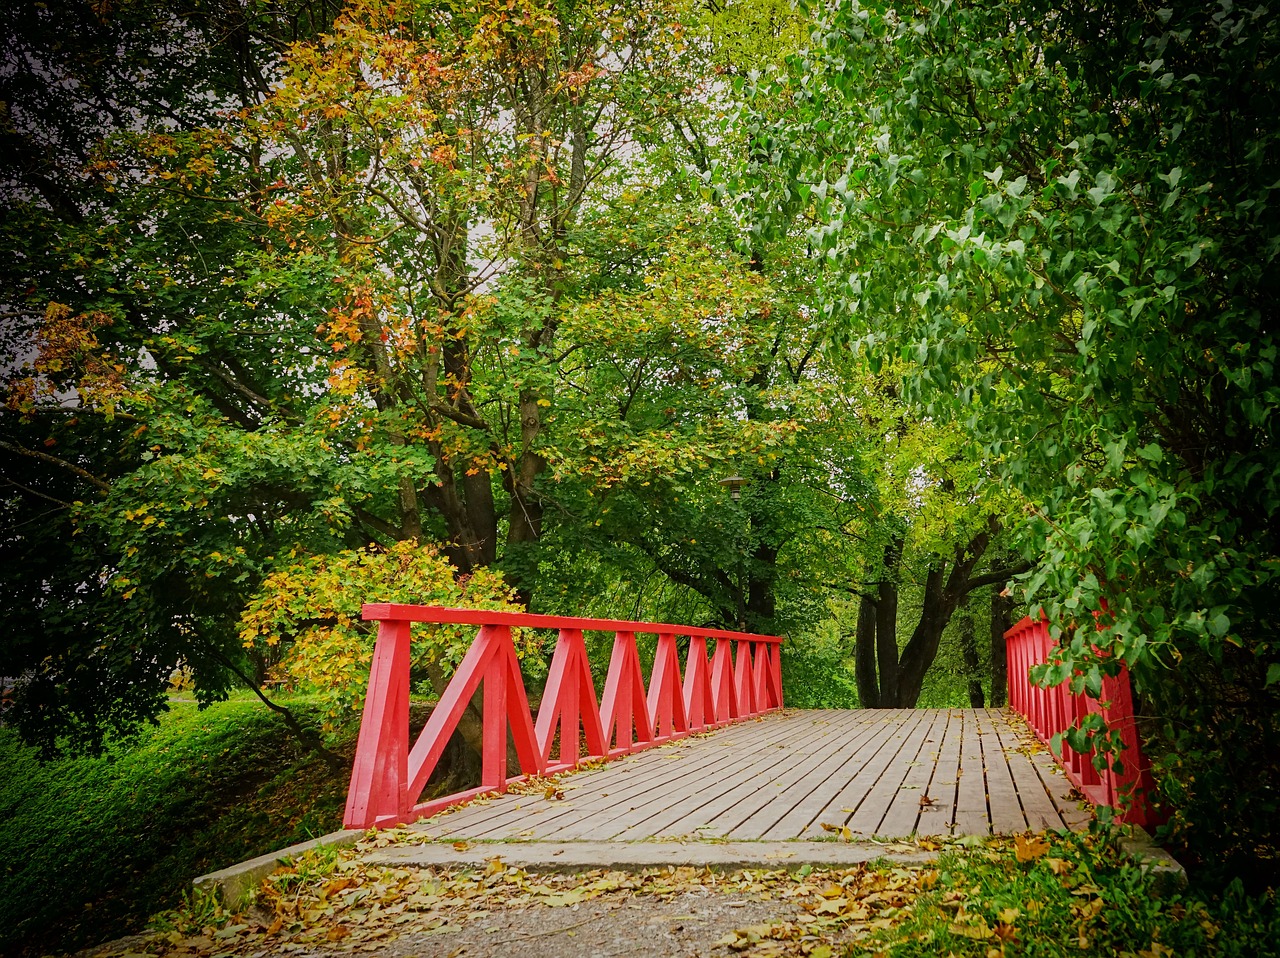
(900, 725)
(971, 816)
(619, 781)
(1066, 799)
(663, 809)
(649, 768)
(946, 779)
(723, 816)
(794, 812)
(939, 818)
(902, 809)
(640, 801)
(1002, 795)
(1037, 806)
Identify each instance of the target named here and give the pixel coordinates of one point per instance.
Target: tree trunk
(887, 625)
(761, 602)
(942, 596)
(864, 655)
(1001, 606)
(972, 664)
(922, 649)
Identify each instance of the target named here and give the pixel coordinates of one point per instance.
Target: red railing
(389, 776)
(1051, 711)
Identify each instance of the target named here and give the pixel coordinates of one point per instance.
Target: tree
(1061, 216)
(324, 287)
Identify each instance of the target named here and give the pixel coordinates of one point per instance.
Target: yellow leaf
(1028, 848)
(978, 930)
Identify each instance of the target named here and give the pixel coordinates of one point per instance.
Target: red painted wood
(624, 712)
(760, 676)
(388, 775)
(380, 611)
(569, 703)
(699, 707)
(378, 775)
(666, 697)
(743, 689)
(723, 693)
(1053, 710)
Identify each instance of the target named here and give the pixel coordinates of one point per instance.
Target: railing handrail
(378, 611)
(389, 773)
(1051, 711)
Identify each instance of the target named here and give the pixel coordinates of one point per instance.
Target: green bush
(95, 845)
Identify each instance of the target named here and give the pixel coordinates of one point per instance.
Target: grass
(1054, 895)
(93, 846)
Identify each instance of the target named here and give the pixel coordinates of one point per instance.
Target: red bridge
(768, 773)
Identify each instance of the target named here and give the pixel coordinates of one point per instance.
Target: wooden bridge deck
(802, 775)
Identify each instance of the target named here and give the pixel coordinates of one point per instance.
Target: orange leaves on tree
(69, 355)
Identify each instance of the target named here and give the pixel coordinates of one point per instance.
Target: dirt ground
(358, 909)
(689, 924)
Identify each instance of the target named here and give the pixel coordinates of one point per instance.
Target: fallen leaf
(977, 930)
(461, 846)
(337, 885)
(1028, 848)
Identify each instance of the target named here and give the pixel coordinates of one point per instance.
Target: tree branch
(60, 463)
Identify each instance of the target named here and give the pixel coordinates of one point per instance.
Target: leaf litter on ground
(334, 903)
(980, 898)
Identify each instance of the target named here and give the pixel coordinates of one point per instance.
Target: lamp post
(734, 484)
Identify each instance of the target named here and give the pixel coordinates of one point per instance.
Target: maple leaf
(1028, 848)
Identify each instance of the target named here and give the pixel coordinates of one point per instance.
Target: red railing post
(723, 694)
(569, 702)
(379, 773)
(742, 686)
(699, 707)
(622, 706)
(667, 716)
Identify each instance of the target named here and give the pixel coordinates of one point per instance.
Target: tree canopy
(484, 300)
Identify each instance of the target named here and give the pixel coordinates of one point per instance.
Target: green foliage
(816, 673)
(95, 845)
(1060, 216)
(306, 619)
(1054, 895)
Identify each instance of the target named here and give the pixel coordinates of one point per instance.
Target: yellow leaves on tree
(69, 355)
(306, 618)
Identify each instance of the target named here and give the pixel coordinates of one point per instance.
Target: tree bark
(864, 655)
(1001, 606)
(942, 596)
(972, 664)
(887, 625)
